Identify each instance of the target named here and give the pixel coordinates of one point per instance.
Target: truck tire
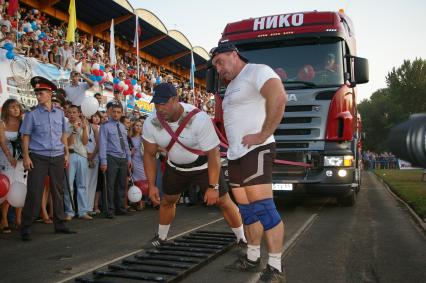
(347, 200)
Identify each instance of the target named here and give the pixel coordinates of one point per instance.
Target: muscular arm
(213, 157)
(276, 97)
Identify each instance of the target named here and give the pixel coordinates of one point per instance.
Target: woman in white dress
(10, 153)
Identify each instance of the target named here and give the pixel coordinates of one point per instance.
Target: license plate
(282, 187)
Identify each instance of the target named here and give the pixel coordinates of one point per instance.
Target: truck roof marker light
(331, 29)
(341, 11)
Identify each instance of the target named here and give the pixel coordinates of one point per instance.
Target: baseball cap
(163, 92)
(226, 47)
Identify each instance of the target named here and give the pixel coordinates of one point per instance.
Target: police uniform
(46, 151)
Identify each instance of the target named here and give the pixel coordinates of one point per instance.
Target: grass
(407, 185)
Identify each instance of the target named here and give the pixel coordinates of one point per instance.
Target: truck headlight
(338, 161)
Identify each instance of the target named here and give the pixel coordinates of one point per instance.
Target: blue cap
(163, 92)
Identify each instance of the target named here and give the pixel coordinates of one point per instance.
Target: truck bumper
(325, 182)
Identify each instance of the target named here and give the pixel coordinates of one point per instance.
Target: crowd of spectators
(34, 34)
(384, 160)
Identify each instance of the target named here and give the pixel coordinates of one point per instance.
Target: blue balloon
(134, 82)
(116, 80)
(10, 55)
(99, 78)
(8, 46)
(102, 67)
(26, 29)
(92, 77)
(157, 81)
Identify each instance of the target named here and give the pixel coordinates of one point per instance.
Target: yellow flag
(72, 22)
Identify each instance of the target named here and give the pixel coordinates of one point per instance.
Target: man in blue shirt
(115, 159)
(45, 152)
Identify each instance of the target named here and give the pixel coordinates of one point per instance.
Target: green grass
(407, 185)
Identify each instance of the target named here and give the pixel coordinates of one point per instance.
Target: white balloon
(125, 87)
(121, 83)
(89, 106)
(95, 66)
(17, 194)
(134, 194)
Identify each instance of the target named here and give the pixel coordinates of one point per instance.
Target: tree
(405, 95)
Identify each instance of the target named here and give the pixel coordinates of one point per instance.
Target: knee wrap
(267, 213)
(247, 214)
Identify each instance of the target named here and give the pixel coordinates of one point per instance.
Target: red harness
(175, 135)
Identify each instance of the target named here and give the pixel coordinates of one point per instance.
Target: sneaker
(241, 248)
(272, 275)
(244, 264)
(154, 243)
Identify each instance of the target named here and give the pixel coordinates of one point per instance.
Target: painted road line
(134, 252)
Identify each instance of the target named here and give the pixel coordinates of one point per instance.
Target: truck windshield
(303, 65)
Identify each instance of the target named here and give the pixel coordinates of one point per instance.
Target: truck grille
(292, 132)
(298, 108)
(296, 120)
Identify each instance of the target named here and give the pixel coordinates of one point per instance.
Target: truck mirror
(211, 79)
(361, 73)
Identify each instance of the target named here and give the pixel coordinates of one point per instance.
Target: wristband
(215, 187)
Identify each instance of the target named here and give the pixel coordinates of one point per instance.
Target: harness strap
(175, 135)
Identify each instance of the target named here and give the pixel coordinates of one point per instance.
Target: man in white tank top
(253, 107)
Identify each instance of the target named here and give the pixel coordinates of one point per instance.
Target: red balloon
(138, 95)
(101, 73)
(4, 185)
(95, 72)
(128, 81)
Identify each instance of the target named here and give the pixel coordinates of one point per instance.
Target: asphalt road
(375, 241)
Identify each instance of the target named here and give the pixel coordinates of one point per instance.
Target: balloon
(4, 185)
(134, 194)
(99, 78)
(121, 84)
(101, 73)
(92, 77)
(102, 67)
(2, 200)
(8, 46)
(16, 196)
(134, 81)
(138, 95)
(127, 81)
(89, 106)
(95, 66)
(126, 87)
(10, 55)
(116, 80)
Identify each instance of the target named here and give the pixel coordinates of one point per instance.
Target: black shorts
(176, 182)
(254, 168)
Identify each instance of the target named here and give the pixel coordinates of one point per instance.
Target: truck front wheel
(348, 199)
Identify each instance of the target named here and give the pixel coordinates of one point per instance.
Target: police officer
(45, 152)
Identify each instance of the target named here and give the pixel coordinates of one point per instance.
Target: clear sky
(387, 32)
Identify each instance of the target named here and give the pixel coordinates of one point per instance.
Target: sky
(387, 32)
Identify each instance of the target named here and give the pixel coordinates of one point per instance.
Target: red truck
(314, 54)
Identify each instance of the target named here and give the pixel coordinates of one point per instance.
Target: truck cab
(314, 55)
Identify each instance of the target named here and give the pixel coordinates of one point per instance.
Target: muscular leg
(230, 211)
(275, 236)
(253, 231)
(168, 209)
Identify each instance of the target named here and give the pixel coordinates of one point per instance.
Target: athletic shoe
(244, 264)
(154, 243)
(272, 275)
